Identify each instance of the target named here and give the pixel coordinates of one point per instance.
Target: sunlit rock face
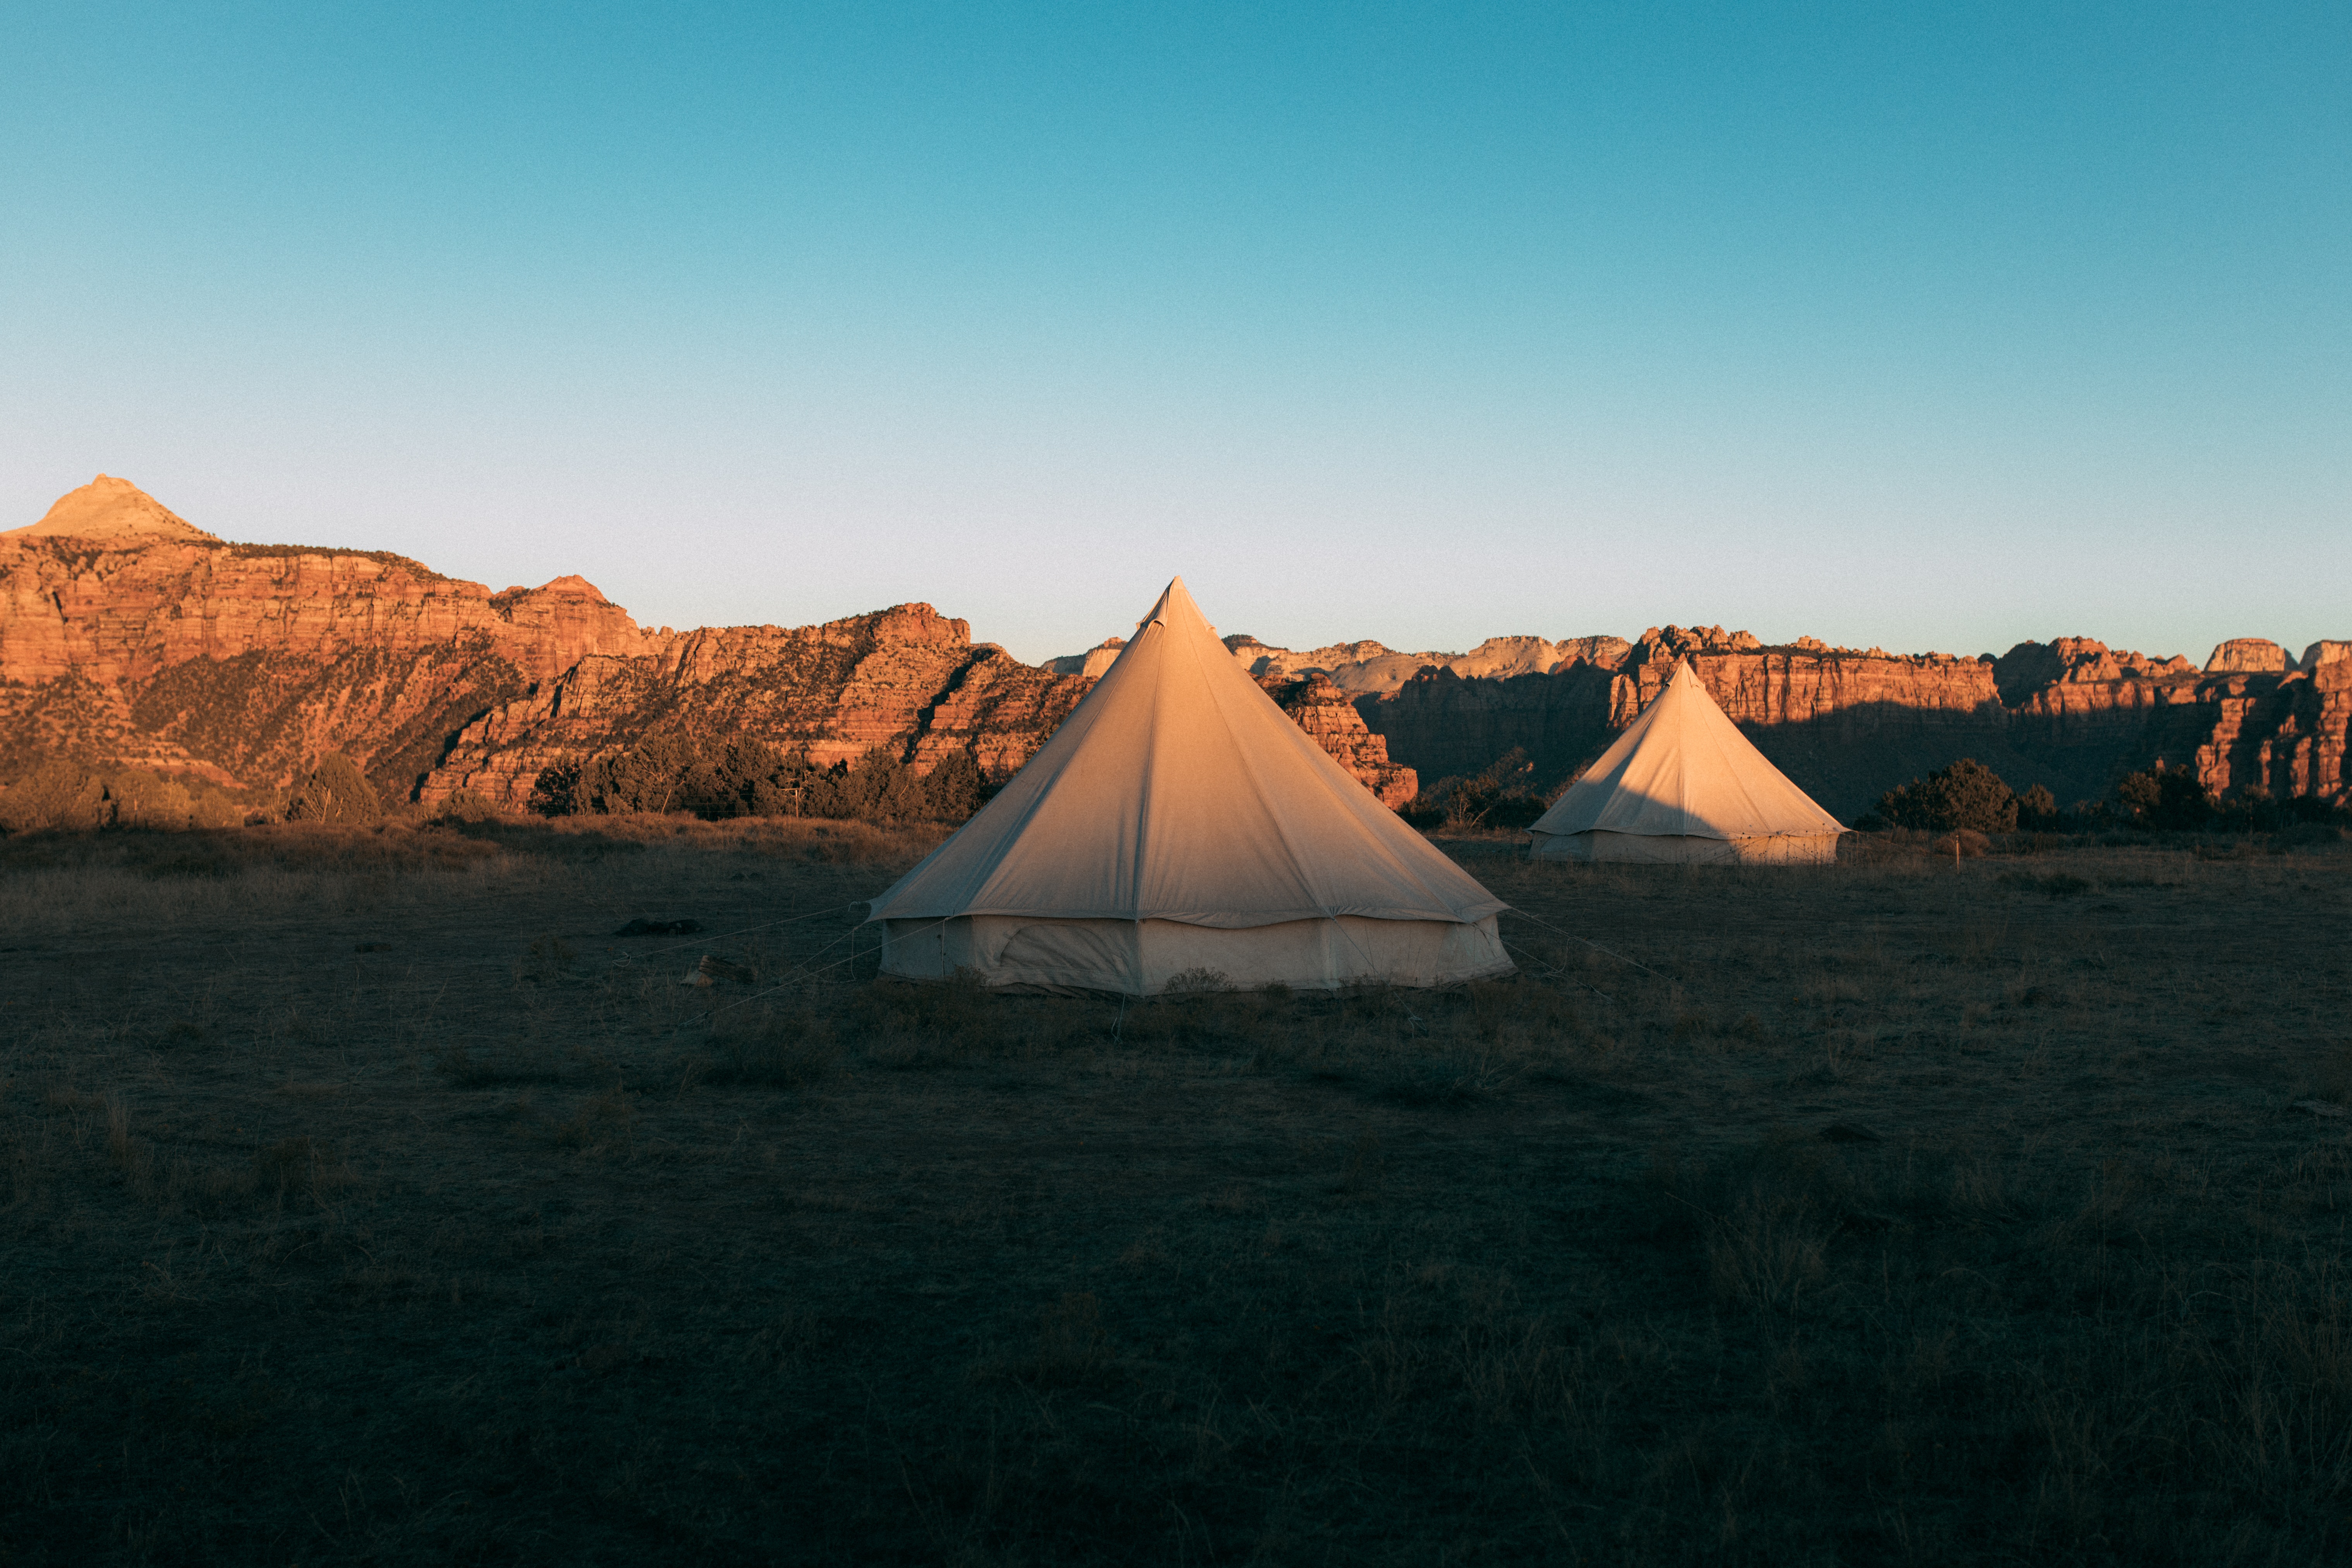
(2284, 734)
(1319, 707)
(907, 680)
(1092, 663)
(112, 587)
(110, 510)
(2249, 656)
(128, 632)
(1361, 668)
(2319, 655)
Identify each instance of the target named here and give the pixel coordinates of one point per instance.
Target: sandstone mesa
(129, 634)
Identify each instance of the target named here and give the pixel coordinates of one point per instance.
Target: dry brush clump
(783, 1044)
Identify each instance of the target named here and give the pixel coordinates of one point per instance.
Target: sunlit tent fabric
(1682, 783)
(1179, 827)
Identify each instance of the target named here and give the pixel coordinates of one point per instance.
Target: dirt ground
(363, 1199)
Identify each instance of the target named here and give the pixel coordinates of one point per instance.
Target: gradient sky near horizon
(1924, 327)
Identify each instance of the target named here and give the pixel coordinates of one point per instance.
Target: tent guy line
(744, 931)
(800, 975)
(1551, 969)
(1585, 940)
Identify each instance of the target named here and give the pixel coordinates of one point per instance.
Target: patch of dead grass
(363, 1189)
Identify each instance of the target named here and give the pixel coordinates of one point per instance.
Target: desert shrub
(145, 800)
(743, 778)
(756, 780)
(556, 791)
(2251, 810)
(2318, 809)
(1961, 842)
(785, 1047)
(933, 1024)
(645, 777)
(58, 795)
(334, 791)
(2255, 810)
(668, 772)
(1426, 810)
(465, 805)
(1762, 1218)
(957, 787)
(877, 787)
(1966, 794)
(2037, 810)
(141, 799)
(70, 796)
(882, 787)
(2164, 797)
(752, 778)
(1502, 795)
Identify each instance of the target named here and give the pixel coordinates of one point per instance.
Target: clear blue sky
(1929, 327)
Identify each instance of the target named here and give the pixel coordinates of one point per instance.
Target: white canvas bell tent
(1180, 826)
(1682, 785)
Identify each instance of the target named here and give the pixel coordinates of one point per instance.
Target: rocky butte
(128, 633)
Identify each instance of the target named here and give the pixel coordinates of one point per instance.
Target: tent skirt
(1678, 849)
(1142, 958)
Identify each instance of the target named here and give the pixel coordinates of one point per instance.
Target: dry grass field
(366, 1201)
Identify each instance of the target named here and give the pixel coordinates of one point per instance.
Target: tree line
(752, 778)
(741, 778)
(1968, 794)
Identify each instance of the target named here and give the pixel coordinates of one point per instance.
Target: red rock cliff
(906, 678)
(128, 632)
(122, 607)
(1323, 710)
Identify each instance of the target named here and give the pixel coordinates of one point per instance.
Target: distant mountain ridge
(2071, 714)
(127, 632)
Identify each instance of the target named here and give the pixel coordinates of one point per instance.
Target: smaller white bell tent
(1682, 785)
(1179, 826)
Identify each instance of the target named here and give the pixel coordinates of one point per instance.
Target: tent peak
(1174, 599)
